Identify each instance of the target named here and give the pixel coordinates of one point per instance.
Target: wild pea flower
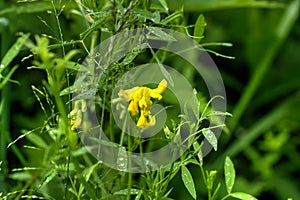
(141, 103)
(75, 115)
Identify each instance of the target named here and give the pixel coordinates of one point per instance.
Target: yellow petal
(155, 95)
(142, 122)
(162, 86)
(127, 94)
(77, 121)
(133, 108)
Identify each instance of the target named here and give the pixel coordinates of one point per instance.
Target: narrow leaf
(164, 4)
(166, 74)
(161, 34)
(20, 176)
(67, 91)
(133, 191)
(139, 195)
(7, 77)
(211, 138)
(37, 140)
(243, 196)
(93, 27)
(155, 16)
(14, 50)
(87, 174)
(199, 28)
(188, 181)
(229, 173)
(172, 17)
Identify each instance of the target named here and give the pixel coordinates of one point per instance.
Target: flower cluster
(141, 103)
(75, 115)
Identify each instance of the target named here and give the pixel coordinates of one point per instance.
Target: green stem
(61, 109)
(284, 27)
(225, 197)
(59, 28)
(129, 167)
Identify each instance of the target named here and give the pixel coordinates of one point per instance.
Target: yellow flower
(75, 115)
(141, 103)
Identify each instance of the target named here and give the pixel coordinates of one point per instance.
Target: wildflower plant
(122, 119)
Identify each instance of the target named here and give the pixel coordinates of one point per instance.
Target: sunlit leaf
(211, 138)
(243, 196)
(139, 195)
(20, 176)
(229, 173)
(199, 28)
(161, 34)
(125, 191)
(67, 91)
(188, 181)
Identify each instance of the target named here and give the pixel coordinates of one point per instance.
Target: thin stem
(129, 167)
(225, 197)
(59, 28)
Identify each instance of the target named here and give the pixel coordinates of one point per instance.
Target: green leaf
(172, 17)
(243, 196)
(198, 151)
(67, 90)
(139, 195)
(164, 4)
(153, 16)
(166, 74)
(161, 34)
(49, 177)
(199, 28)
(7, 77)
(28, 8)
(133, 191)
(87, 174)
(20, 176)
(188, 181)
(37, 140)
(13, 51)
(97, 24)
(229, 173)
(211, 138)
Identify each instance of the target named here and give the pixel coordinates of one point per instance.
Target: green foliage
(42, 156)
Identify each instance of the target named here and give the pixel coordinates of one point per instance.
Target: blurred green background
(262, 86)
